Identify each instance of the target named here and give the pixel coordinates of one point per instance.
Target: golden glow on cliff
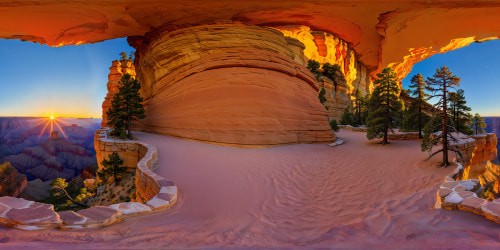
(65, 43)
(419, 54)
(326, 48)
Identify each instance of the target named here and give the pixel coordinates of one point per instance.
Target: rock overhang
(382, 33)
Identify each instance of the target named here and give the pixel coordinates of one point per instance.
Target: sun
(52, 117)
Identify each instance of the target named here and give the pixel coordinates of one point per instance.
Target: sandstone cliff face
(230, 84)
(11, 182)
(116, 71)
(397, 33)
(327, 48)
(485, 150)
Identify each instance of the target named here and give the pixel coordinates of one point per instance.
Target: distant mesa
(54, 135)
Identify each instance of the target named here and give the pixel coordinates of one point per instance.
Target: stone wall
(462, 195)
(396, 135)
(153, 193)
(403, 136)
(352, 128)
(230, 84)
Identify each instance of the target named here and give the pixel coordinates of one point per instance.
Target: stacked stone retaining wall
(153, 192)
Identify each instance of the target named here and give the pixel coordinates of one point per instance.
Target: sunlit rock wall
(116, 71)
(12, 183)
(230, 84)
(484, 151)
(327, 48)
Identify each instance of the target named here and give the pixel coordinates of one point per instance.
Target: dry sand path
(360, 195)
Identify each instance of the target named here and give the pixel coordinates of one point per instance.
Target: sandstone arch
(374, 34)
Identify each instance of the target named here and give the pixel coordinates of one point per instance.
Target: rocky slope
(11, 182)
(52, 159)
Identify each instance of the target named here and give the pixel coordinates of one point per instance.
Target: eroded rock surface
(11, 182)
(230, 84)
(397, 33)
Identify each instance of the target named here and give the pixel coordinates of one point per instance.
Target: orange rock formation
(116, 71)
(208, 75)
(229, 84)
(397, 33)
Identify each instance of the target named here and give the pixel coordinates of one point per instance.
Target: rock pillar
(229, 84)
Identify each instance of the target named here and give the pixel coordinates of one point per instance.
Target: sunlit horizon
(70, 81)
(67, 82)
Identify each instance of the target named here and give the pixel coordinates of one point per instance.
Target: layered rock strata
(327, 48)
(116, 71)
(485, 150)
(397, 33)
(231, 84)
(153, 193)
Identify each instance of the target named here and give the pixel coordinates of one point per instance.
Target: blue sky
(37, 80)
(478, 66)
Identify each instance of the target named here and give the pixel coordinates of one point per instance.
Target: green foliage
(347, 117)
(113, 169)
(440, 84)
(313, 66)
(321, 96)
(335, 74)
(489, 192)
(123, 56)
(411, 117)
(360, 108)
(432, 126)
(334, 125)
(416, 109)
(70, 195)
(384, 106)
(478, 124)
(125, 107)
(459, 111)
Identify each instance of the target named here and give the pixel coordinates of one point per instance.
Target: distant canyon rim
(234, 72)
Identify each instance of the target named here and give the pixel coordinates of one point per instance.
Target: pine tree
(321, 96)
(123, 56)
(359, 106)
(313, 66)
(63, 192)
(384, 106)
(125, 107)
(440, 84)
(347, 117)
(458, 109)
(478, 124)
(112, 168)
(335, 74)
(417, 91)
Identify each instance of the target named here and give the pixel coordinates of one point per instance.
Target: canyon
(233, 73)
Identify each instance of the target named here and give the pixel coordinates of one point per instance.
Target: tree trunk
(420, 120)
(444, 131)
(388, 115)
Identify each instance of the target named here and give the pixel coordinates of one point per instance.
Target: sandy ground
(360, 195)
